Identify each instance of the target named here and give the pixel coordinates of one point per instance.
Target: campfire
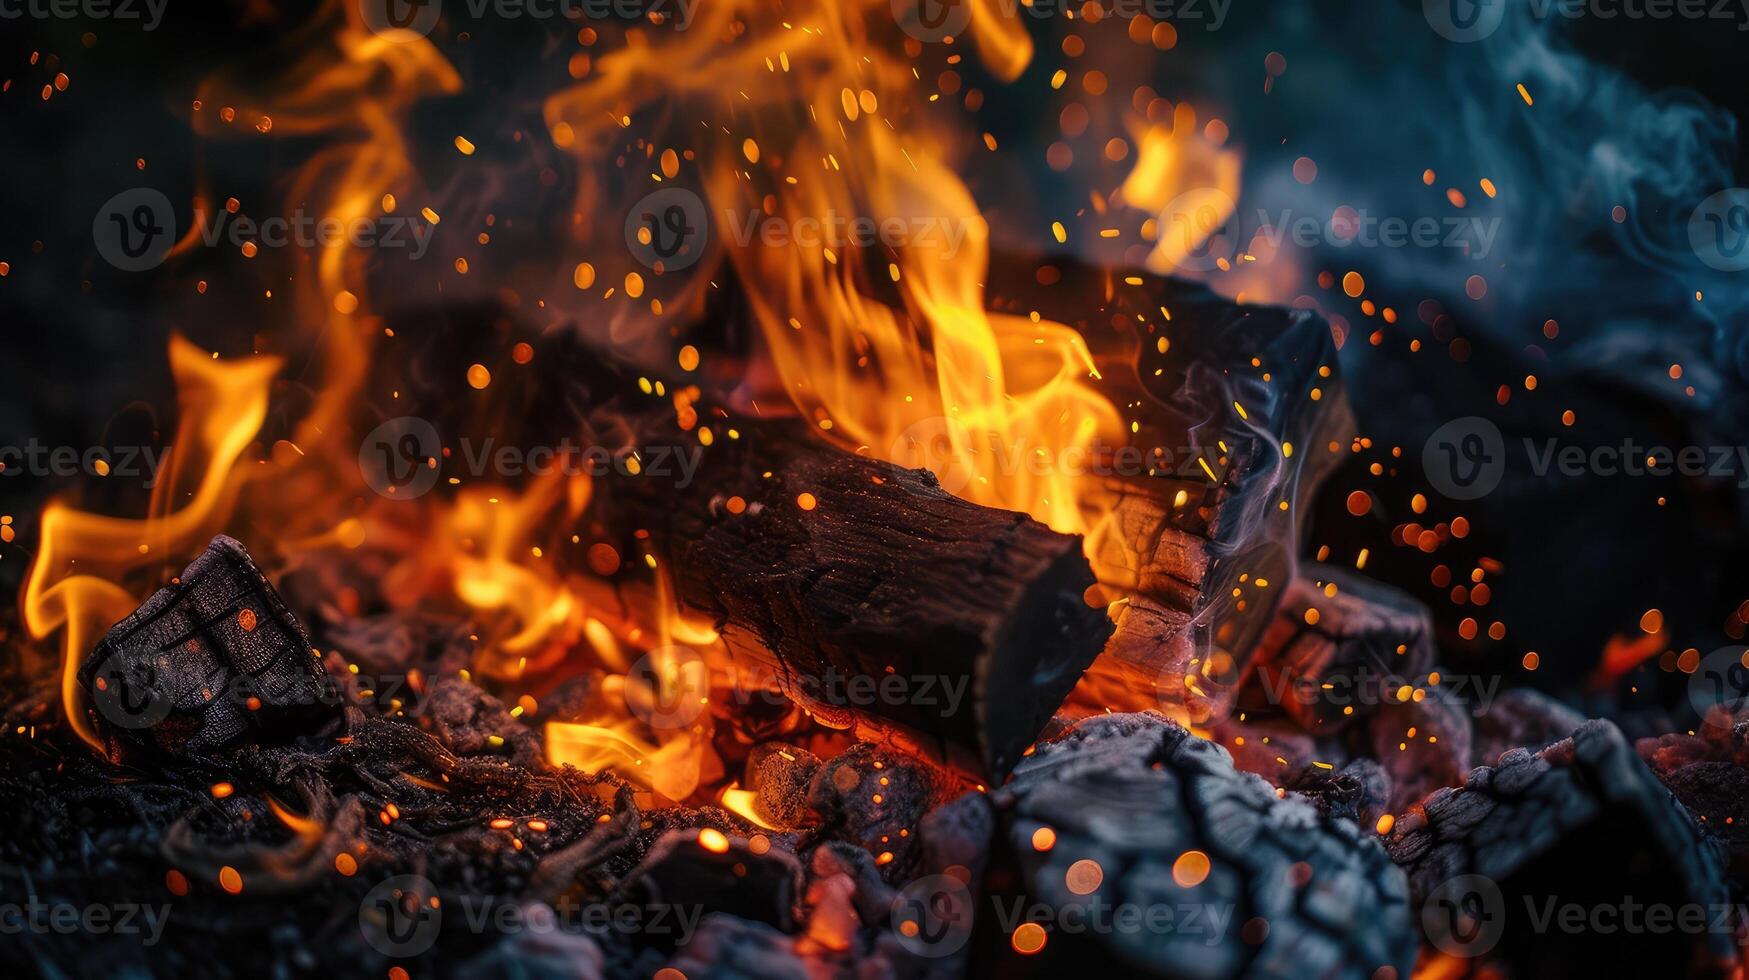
(730, 547)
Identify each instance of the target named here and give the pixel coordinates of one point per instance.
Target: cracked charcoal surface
(203, 661)
(1133, 793)
(1583, 821)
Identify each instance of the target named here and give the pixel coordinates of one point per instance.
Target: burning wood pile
(881, 730)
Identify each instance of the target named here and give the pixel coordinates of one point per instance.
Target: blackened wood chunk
(211, 660)
(869, 594)
(1216, 874)
(1329, 659)
(1521, 718)
(1581, 824)
(694, 872)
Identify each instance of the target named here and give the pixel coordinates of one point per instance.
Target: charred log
(870, 595)
(1141, 814)
(1582, 823)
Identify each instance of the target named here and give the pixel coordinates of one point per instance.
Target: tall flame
(888, 348)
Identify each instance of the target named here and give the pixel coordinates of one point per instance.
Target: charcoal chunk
(874, 798)
(1582, 823)
(1143, 815)
(695, 872)
(210, 660)
(780, 775)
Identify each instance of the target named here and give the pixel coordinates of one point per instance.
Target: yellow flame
(75, 581)
(887, 347)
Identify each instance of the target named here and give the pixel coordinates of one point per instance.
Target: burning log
(867, 593)
(1581, 824)
(1133, 811)
(1235, 407)
(206, 662)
